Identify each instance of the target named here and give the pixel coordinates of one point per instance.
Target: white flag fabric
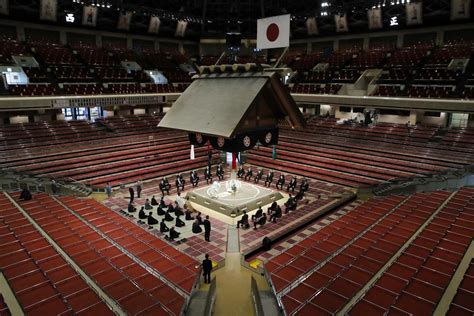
(4, 7)
(154, 26)
(273, 32)
(341, 23)
(460, 9)
(48, 10)
(181, 29)
(312, 26)
(375, 18)
(192, 157)
(89, 16)
(414, 13)
(124, 21)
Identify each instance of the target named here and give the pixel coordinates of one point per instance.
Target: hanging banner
(124, 21)
(341, 23)
(154, 26)
(4, 7)
(89, 16)
(312, 26)
(460, 9)
(181, 28)
(414, 13)
(375, 18)
(48, 10)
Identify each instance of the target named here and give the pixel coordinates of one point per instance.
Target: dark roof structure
(228, 104)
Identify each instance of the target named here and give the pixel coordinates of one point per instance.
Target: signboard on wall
(89, 16)
(4, 7)
(48, 10)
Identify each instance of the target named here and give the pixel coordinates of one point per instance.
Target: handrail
(211, 298)
(257, 301)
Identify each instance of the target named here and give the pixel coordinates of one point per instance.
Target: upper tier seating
(9, 48)
(97, 57)
(83, 89)
(31, 90)
(56, 55)
(72, 74)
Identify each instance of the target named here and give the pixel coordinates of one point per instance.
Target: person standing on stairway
(206, 269)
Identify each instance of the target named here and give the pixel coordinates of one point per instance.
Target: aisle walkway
(233, 288)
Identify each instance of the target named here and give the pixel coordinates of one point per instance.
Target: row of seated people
(248, 176)
(179, 208)
(273, 213)
(165, 186)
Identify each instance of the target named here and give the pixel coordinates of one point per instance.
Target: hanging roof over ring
(228, 104)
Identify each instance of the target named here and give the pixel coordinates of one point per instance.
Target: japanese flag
(273, 32)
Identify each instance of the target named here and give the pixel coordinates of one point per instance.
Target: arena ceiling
(214, 18)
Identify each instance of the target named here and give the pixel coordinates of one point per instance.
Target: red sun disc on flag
(272, 32)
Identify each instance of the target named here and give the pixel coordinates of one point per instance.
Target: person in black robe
(269, 179)
(153, 201)
(280, 182)
(196, 227)
(163, 227)
(292, 185)
(299, 195)
(220, 172)
(199, 218)
(179, 222)
(244, 221)
(161, 211)
(131, 208)
(258, 213)
(304, 186)
(188, 215)
(206, 269)
(165, 186)
(174, 234)
(276, 213)
(272, 208)
(240, 172)
(178, 211)
(25, 195)
(148, 205)
(162, 202)
(208, 175)
(290, 204)
(152, 220)
(194, 178)
(168, 217)
(259, 176)
(141, 214)
(259, 221)
(179, 182)
(207, 228)
(132, 193)
(249, 174)
(171, 208)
